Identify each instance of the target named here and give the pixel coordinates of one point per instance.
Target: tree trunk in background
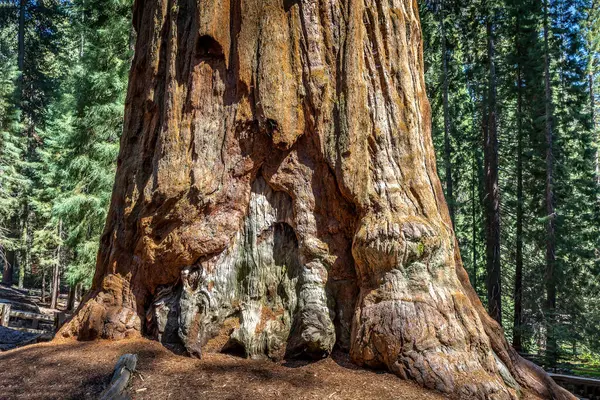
(551, 343)
(71, 297)
(78, 292)
(447, 148)
(56, 272)
(474, 201)
(276, 189)
(7, 268)
(26, 239)
(593, 120)
(43, 293)
(21, 44)
(21, 65)
(492, 190)
(16, 263)
(518, 292)
(55, 287)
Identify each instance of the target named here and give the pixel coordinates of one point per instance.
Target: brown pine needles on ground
(66, 369)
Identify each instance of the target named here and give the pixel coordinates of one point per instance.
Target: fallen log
(120, 379)
(31, 316)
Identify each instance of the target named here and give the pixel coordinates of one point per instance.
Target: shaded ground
(81, 370)
(10, 338)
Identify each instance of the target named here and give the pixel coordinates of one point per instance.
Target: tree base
(276, 196)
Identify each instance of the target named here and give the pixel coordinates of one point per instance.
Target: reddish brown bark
(276, 194)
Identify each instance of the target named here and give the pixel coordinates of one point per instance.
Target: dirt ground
(69, 369)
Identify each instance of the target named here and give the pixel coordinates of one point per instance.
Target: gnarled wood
(277, 194)
(120, 379)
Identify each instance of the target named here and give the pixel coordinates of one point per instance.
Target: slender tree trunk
(71, 297)
(55, 286)
(593, 122)
(518, 292)
(26, 239)
(7, 267)
(78, 292)
(56, 272)
(492, 192)
(17, 261)
(20, 82)
(474, 224)
(551, 342)
(21, 42)
(447, 128)
(81, 35)
(43, 296)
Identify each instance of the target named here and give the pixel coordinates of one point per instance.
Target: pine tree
(12, 181)
(91, 147)
(492, 190)
(521, 117)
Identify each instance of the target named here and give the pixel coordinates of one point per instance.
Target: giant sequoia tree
(276, 190)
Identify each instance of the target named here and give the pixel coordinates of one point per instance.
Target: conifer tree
(11, 144)
(521, 117)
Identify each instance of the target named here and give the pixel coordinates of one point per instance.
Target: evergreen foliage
(12, 181)
(60, 132)
(573, 54)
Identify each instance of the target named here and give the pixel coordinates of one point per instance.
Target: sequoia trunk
(276, 195)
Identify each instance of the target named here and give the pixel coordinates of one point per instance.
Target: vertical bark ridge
(277, 194)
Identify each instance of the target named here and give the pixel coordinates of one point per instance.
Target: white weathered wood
(120, 379)
(4, 314)
(576, 379)
(29, 330)
(30, 315)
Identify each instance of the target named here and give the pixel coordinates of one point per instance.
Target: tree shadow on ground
(81, 370)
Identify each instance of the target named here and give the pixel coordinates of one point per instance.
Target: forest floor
(68, 369)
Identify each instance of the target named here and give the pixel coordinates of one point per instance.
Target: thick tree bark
(492, 189)
(276, 190)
